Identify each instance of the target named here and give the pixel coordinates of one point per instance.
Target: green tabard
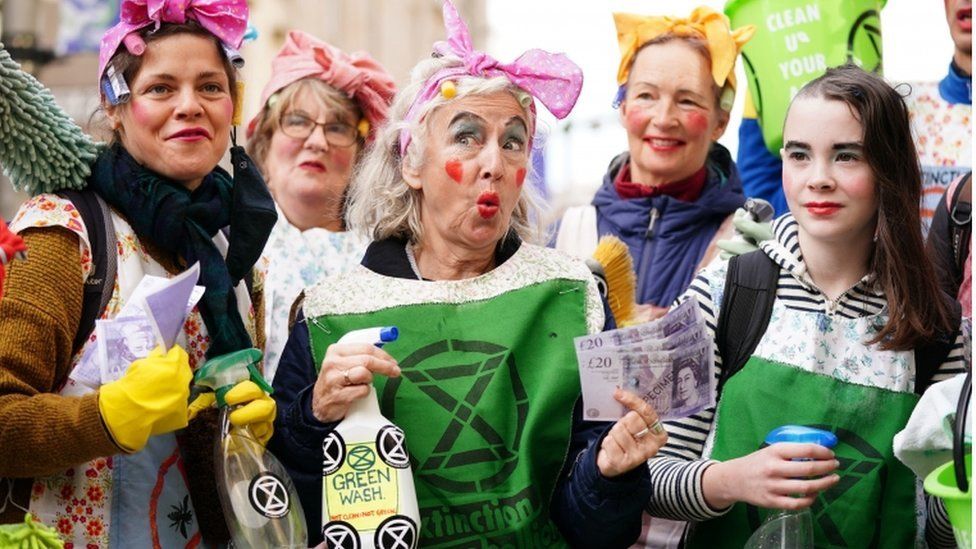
(873, 504)
(486, 399)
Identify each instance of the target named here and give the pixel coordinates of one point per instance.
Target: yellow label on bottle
(363, 491)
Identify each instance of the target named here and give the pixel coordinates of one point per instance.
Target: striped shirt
(677, 470)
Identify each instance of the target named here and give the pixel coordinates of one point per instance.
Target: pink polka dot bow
(226, 19)
(552, 78)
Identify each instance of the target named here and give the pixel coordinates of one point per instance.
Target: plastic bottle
(787, 529)
(260, 503)
(367, 482)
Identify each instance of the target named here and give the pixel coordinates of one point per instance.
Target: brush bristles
(41, 148)
(614, 255)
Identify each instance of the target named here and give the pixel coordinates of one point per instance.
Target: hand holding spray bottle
(260, 503)
(784, 528)
(367, 482)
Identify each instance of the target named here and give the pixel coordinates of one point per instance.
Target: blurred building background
(58, 40)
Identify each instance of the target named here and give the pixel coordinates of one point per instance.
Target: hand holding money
(668, 363)
(633, 440)
(149, 399)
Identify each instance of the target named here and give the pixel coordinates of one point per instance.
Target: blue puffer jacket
(667, 251)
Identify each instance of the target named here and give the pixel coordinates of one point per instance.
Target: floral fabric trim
(292, 261)
(78, 501)
(943, 138)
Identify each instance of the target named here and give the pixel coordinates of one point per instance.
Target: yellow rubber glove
(199, 404)
(257, 409)
(150, 399)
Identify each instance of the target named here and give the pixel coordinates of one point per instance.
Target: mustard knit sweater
(41, 432)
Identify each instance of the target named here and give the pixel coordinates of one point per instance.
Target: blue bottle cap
(800, 433)
(389, 333)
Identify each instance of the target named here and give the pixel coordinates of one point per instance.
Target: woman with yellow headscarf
(670, 196)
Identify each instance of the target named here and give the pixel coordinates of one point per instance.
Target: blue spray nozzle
(378, 336)
(802, 434)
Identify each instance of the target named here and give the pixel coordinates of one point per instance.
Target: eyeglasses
(299, 126)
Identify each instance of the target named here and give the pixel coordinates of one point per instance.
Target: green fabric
(873, 505)
(486, 401)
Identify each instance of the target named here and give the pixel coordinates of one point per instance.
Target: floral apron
(131, 500)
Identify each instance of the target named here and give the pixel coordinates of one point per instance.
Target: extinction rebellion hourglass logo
(475, 406)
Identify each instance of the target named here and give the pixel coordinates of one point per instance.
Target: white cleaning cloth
(926, 441)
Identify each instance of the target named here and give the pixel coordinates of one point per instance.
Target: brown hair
(917, 310)
(270, 116)
(129, 65)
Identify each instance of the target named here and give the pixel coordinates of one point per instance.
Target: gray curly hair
(381, 204)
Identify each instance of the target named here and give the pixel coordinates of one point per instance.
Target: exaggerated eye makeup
(465, 127)
(848, 152)
(515, 135)
(796, 150)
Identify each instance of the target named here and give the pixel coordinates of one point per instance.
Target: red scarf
(686, 190)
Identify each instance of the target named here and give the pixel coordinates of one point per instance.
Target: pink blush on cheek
(635, 121)
(454, 170)
(140, 114)
(520, 176)
(696, 122)
(342, 158)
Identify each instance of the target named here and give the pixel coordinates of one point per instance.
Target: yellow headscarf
(724, 44)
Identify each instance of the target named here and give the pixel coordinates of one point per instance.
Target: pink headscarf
(225, 19)
(357, 75)
(551, 78)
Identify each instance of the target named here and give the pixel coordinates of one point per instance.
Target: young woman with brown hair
(856, 315)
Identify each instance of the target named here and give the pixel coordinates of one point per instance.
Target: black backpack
(101, 237)
(750, 290)
(960, 223)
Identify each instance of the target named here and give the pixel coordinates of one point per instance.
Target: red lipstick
(190, 134)
(313, 166)
(822, 209)
(488, 204)
(663, 144)
(965, 18)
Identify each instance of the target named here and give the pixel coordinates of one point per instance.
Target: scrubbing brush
(613, 259)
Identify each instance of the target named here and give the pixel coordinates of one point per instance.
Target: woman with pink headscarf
(106, 457)
(319, 110)
(482, 380)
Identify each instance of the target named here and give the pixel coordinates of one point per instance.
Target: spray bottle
(759, 211)
(260, 503)
(783, 528)
(367, 482)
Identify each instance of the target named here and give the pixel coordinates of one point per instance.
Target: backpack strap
(930, 356)
(960, 221)
(101, 237)
(750, 291)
